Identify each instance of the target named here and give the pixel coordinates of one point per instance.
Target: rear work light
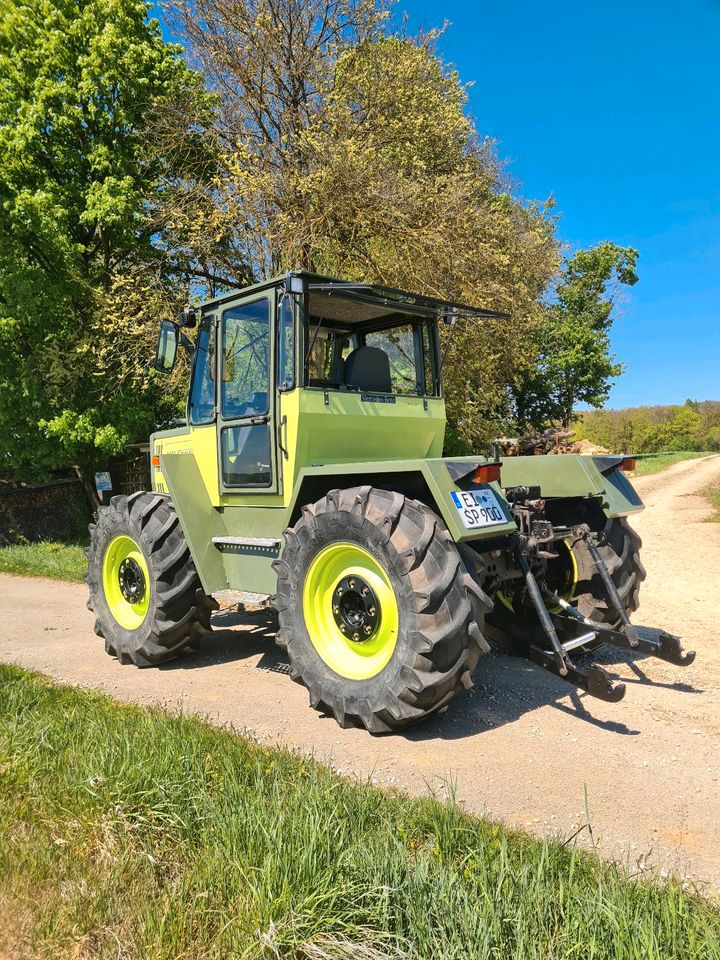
(629, 463)
(156, 461)
(487, 473)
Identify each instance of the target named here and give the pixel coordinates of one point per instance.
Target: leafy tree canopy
(346, 148)
(313, 135)
(78, 77)
(693, 426)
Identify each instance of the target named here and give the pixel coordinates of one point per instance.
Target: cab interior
(368, 347)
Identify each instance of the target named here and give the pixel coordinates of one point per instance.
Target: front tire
(144, 590)
(381, 620)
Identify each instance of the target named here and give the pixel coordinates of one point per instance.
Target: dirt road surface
(521, 747)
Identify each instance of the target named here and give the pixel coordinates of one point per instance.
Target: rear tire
(144, 590)
(426, 639)
(620, 550)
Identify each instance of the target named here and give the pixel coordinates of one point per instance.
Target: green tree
(693, 426)
(575, 364)
(78, 80)
(681, 431)
(346, 148)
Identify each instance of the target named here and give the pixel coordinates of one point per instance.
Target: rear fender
(426, 480)
(572, 476)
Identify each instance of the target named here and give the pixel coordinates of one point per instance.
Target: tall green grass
(128, 832)
(61, 561)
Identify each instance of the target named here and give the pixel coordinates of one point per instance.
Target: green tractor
(310, 473)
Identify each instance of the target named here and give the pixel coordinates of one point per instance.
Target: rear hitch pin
(580, 641)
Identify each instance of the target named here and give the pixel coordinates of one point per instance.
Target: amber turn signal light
(629, 463)
(155, 461)
(487, 473)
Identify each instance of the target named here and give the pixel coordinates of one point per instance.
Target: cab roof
(356, 302)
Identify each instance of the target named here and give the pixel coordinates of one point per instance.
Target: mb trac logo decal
(376, 398)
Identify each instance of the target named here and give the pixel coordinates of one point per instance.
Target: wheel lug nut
(339, 591)
(371, 611)
(336, 609)
(343, 627)
(368, 628)
(365, 591)
(356, 636)
(351, 584)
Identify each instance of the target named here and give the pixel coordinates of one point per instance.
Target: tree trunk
(569, 404)
(88, 489)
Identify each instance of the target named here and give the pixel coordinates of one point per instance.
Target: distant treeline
(693, 426)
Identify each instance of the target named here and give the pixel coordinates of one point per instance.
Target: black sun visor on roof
(358, 303)
(345, 309)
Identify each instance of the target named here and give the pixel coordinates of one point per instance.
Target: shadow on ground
(506, 687)
(235, 636)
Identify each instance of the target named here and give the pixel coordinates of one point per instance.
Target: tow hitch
(577, 631)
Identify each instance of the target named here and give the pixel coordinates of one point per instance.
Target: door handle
(283, 425)
(265, 419)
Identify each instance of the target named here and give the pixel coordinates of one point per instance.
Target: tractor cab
(303, 371)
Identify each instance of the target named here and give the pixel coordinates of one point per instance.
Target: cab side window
(246, 360)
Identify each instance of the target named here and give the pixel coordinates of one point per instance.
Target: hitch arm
(613, 595)
(667, 646)
(562, 662)
(597, 681)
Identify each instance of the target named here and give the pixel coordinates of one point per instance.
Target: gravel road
(521, 747)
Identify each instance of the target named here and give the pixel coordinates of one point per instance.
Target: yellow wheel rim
(350, 611)
(568, 588)
(126, 582)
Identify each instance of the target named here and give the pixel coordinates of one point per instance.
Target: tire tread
(444, 608)
(180, 610)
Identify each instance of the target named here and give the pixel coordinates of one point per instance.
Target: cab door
(247, 457)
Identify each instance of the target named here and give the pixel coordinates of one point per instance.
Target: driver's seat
(368, 368)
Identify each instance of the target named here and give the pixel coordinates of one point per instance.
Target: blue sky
(614, 109)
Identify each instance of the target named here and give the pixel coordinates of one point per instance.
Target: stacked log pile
(550, 441)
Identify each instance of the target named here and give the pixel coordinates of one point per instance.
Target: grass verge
(62, 561)
(713, 495)
(129, 832)
(656, 462)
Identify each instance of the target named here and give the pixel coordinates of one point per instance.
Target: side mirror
(167, 346)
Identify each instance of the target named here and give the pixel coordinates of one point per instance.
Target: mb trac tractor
(310, 472)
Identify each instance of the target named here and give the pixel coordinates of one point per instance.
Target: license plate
(478, 508)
